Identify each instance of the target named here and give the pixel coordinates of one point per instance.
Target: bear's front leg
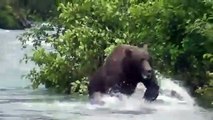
(115, 91)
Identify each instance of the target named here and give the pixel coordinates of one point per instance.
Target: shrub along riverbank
(19, 14)
(179, 34)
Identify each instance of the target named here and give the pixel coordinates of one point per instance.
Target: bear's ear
(145, 46)
(128, 52)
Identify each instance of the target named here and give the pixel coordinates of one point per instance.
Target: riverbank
(21, 14)
(12, 21)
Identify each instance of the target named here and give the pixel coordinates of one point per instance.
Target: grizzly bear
(122, 70)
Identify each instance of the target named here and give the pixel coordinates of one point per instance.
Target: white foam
(162, 105)
(163, 102)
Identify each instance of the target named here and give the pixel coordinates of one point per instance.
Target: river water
(19, 102)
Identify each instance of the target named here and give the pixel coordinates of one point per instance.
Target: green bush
(178, 33)
(7, 19)
(15, 14)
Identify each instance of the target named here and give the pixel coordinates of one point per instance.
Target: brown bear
(123, 69)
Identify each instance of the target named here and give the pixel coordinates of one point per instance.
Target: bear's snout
(147, 70)
(149, 74)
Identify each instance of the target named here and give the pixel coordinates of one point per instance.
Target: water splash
(165, 100)
(165, 107)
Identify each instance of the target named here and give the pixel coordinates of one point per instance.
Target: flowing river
(19, 102)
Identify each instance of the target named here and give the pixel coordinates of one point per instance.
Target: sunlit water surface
(18, 102)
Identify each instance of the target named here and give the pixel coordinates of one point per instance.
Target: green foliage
(77, 53)
(14, 14)
(179, 33)
(205, 92)
(39, 8)
(7, 18)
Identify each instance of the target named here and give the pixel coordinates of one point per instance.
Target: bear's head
(137, 66)
(137, 62)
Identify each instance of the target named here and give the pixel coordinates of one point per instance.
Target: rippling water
(18, 102)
